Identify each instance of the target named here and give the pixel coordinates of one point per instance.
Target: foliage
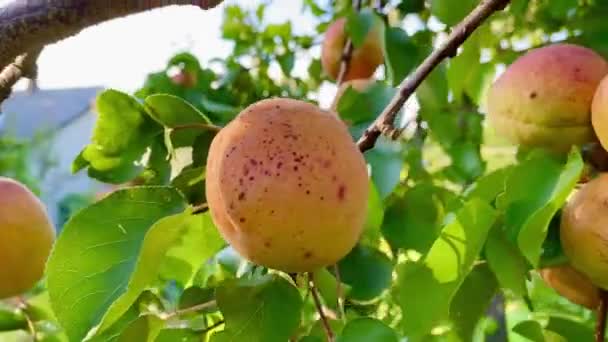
(456, 218)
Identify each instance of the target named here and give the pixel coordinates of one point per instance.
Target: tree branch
(347, 53)
(23, 66)
(600, 327)
(28, 24)
(384, 124)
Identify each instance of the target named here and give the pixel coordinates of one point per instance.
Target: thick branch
(600, 327)
(23, 66)
(385, 122)
(28, 24)
(347, 53)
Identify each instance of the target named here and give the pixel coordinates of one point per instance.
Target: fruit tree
(408, 170)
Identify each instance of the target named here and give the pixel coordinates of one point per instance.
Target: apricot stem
(339, 292)
(315, 296)
(194, 308)
(201, 126)
(23, 305)
(384, 124)
(600, 328)
(347, 53)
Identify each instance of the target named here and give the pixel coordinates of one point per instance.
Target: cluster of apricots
(556, 97)
(286, 184)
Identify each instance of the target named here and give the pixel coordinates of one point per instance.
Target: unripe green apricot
(584, 230)
(287, 186)
(544, 98)
(26, 238)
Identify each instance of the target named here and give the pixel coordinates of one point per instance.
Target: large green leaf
(535, 191)
(199, 242)
(426, 288)
(362, 107)
(452, 12)
(11, 319)
(386, 163)
(122, 133)
(104, 254)
(359, 24)
(367, 329)
(264, 309)
(570, 329)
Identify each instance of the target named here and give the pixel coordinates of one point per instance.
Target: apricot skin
(287, 186)
(544, 98)
(365, 59)
(599, 113)
(572, 285)
(584, 230)
(26, 238)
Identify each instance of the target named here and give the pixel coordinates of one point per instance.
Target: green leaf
(359, 107)
(375, 216)
(144, 328)
(177, 114)
(507, 262)
(432, 94)
(368, 271)
(401, 54)
(200, 241)
(104, 253)
(327, 285)
(178, 335)
(287, 61)
(279, 30)
(367, 329)
(451, 12)
(171, 111)
(359, 25)
(263, 309)
(488, 187)
(569, 329)
(314, 7)
(462, 66)
(122, 133)
(414, 220)
(191, 182)
(536, 190)
(10, 319)
(472, 300)
(532, 330)
(426, 288)
(386, 163)
(411, 6)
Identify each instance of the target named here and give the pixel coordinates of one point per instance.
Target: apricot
(599, 113)
(584, 230)
(26, 237)
(572, 285)
(365, 59)
(360, 85)
(544, 98)
(287, 186)
(185, 79)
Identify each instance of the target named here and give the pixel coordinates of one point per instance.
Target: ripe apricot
(572, 285)
(544, 98)
(365, 59)
(287, 186)
(26, 238)
(599, 113)
(584, 230)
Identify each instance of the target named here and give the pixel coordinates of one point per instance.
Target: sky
(120, 53)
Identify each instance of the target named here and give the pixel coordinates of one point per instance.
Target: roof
(24, 114)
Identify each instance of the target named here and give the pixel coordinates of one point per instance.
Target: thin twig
(195, 308)
(199, 209)
(315, 296)
(200, 126)
(213, 326)
(384, 124)
(347, 53)
(600, 327)
(339, 292)
(23, 305)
